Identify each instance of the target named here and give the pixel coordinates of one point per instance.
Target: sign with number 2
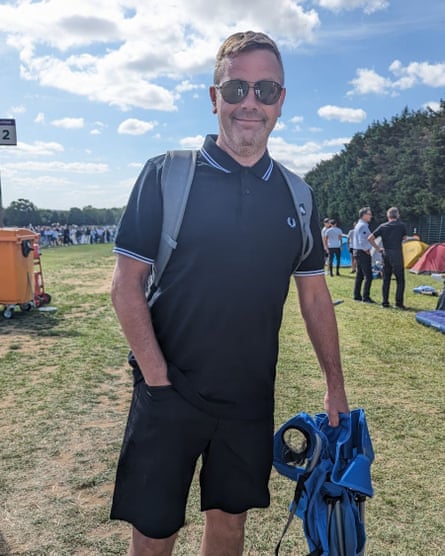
(8, 134)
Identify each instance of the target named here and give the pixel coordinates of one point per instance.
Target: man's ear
(281, 101)
(212, 93)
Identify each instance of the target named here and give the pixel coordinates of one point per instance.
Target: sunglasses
(235, 90)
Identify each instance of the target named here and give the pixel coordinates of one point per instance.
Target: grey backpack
(176, 181)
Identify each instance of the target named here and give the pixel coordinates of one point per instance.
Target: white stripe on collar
(218, 166)
(213, 162)
(268, 172)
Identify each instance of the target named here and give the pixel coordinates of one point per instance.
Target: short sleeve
(139, 229)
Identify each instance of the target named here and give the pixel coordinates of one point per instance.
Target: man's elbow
(115, 291)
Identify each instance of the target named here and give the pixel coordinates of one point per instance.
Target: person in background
(204, 353)
(392, 234)
(332, 240)
(323, 233)
(362, 253)
(351, 250)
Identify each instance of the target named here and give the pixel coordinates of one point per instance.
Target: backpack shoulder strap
(176, 181)
(302, 196)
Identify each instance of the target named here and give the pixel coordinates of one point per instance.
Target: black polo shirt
(219, 311)
(392, 234)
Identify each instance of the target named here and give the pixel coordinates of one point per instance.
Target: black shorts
(164, 438)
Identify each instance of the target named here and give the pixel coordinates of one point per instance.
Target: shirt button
(247, 192)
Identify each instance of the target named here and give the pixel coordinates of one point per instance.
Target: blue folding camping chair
(332, 469)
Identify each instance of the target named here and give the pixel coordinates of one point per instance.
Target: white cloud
(279, 126)
(432, 75)
(338, 142)
(133, 126)
(368, 6)
(296, 119)
(57, 166)
(69, 123)
(40, 118)
(18, 109)
(329, 112)
(187, 86)
(406, 77)
(368, 81)
(137, 165)
(299, 158)
(192, 142)
(117, 51)
(432, 105)
(38, 148)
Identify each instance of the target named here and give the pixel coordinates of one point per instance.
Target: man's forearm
(128, 296)
(321, 324)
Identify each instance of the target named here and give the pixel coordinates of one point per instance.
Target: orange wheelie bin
(17, 281)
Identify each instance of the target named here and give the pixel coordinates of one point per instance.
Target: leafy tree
(393, 163)
(22, 213)
(75, 216)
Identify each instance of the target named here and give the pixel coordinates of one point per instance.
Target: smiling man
(204, 353)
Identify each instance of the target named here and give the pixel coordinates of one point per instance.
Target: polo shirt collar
(222, 161)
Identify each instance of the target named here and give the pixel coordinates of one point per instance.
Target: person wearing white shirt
(332, 241)
(362, 252)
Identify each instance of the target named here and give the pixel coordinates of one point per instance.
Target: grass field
(65, 389)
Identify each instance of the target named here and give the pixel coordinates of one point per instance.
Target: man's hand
(334, 404)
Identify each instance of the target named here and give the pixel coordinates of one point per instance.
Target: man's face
(244, 127)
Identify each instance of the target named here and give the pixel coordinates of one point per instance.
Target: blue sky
(98, 86)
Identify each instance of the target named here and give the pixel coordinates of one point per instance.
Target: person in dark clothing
(392, 234)
(204, 352)
(67, 236)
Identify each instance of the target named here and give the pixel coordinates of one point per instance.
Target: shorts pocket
(159, 392)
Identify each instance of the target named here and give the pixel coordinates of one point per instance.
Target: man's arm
(372, 241)
(324, 237)
(128, 297)
(321, 324)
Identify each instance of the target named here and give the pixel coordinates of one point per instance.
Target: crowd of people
(58, 235)
(387, 240)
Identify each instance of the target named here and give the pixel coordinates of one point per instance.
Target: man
(326, 226)
(362, 253)
(204, 354)
(393, 233)
(351, 250)
(333, 237)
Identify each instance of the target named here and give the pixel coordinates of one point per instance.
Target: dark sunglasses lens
(234, 91)
(268, 92)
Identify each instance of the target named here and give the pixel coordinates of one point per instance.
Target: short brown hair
(243, 42)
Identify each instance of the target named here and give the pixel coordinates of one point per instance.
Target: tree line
(399, 163)
(23, 212)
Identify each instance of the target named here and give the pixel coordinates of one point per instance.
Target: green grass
(65, 389)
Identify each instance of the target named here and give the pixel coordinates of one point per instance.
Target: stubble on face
(244, 128)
